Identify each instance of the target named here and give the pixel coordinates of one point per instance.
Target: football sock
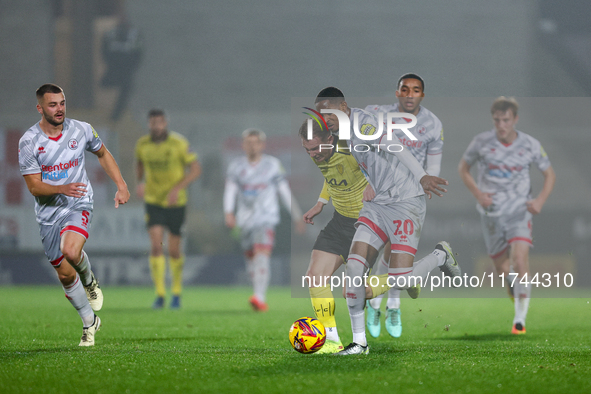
(261, 275)
(381, 269)
(428, 263)
(358, 326)
(158, 271)
(400, 278)
(522, 296)
(324, 307)
(393, 301)
(83, 269)
(77, 296)
(176, 270)
(355, 295)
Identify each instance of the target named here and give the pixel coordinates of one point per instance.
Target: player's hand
(301, 227)
(77, 190)
(122, 196)
(368, 194)
(140, 189)
(485, 199)
(230, 220)
(172, 197)
(431, 184)
(316, 209)
(534, 206)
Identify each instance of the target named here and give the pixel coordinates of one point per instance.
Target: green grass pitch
(216, 344)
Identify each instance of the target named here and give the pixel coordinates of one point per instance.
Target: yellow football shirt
(164, 166)
(343, 182)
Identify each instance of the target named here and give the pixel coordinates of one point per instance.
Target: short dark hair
(505, 104)
(317, 131)
(48, 88)
(411, 76)
(332, 94)
(156, 112)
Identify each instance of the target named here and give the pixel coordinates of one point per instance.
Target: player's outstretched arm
(39, 188)
(484, 199)
(230, 193)
(107, 161)
(291, 205)
(535, 206)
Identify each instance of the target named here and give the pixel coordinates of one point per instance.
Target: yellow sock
(323, 304)
(382, 286)
(158, 271)
(176, 268)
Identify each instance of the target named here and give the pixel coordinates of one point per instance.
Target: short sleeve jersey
(504, 169)
(164, 164)
(257, 204)
(60, 161)
(391, 180)
(428, 131)
(343, 181)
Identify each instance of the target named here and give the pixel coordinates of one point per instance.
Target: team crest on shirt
(73, 144)
(421, 130)
(340, 168)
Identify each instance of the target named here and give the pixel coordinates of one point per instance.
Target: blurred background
(220, 67)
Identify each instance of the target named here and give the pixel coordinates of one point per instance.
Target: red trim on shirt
(55, 138)
(374, 227)
(75, 229)
(403, 248)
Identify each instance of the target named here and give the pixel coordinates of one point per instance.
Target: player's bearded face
(53, 108)
(157, 125)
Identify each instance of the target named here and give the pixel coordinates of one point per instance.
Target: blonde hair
(256, 132)
(505, 104)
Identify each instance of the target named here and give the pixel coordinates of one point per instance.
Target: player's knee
(66, 278)
(72, 254)
(156, 249)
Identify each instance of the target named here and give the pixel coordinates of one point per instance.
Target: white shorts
(51, 236)
(399, 222)
(501, 231)
(261, 237)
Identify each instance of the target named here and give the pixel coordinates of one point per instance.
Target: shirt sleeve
(188, 155)
(26, 158)
(540, 157)
(472, 152)
(94, 142)
(435, 146)
(324, 195)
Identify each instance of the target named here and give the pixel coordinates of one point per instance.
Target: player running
(428, 151)
(344, 183)
(51, 159)
(503, 192)
(165, 167)
(256, 179)
(395, 214)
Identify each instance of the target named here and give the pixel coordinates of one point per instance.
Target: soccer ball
(307, 335)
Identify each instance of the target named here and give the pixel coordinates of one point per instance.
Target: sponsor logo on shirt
(58, 171)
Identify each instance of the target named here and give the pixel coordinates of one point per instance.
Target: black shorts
(172, 218)
(337, 236)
